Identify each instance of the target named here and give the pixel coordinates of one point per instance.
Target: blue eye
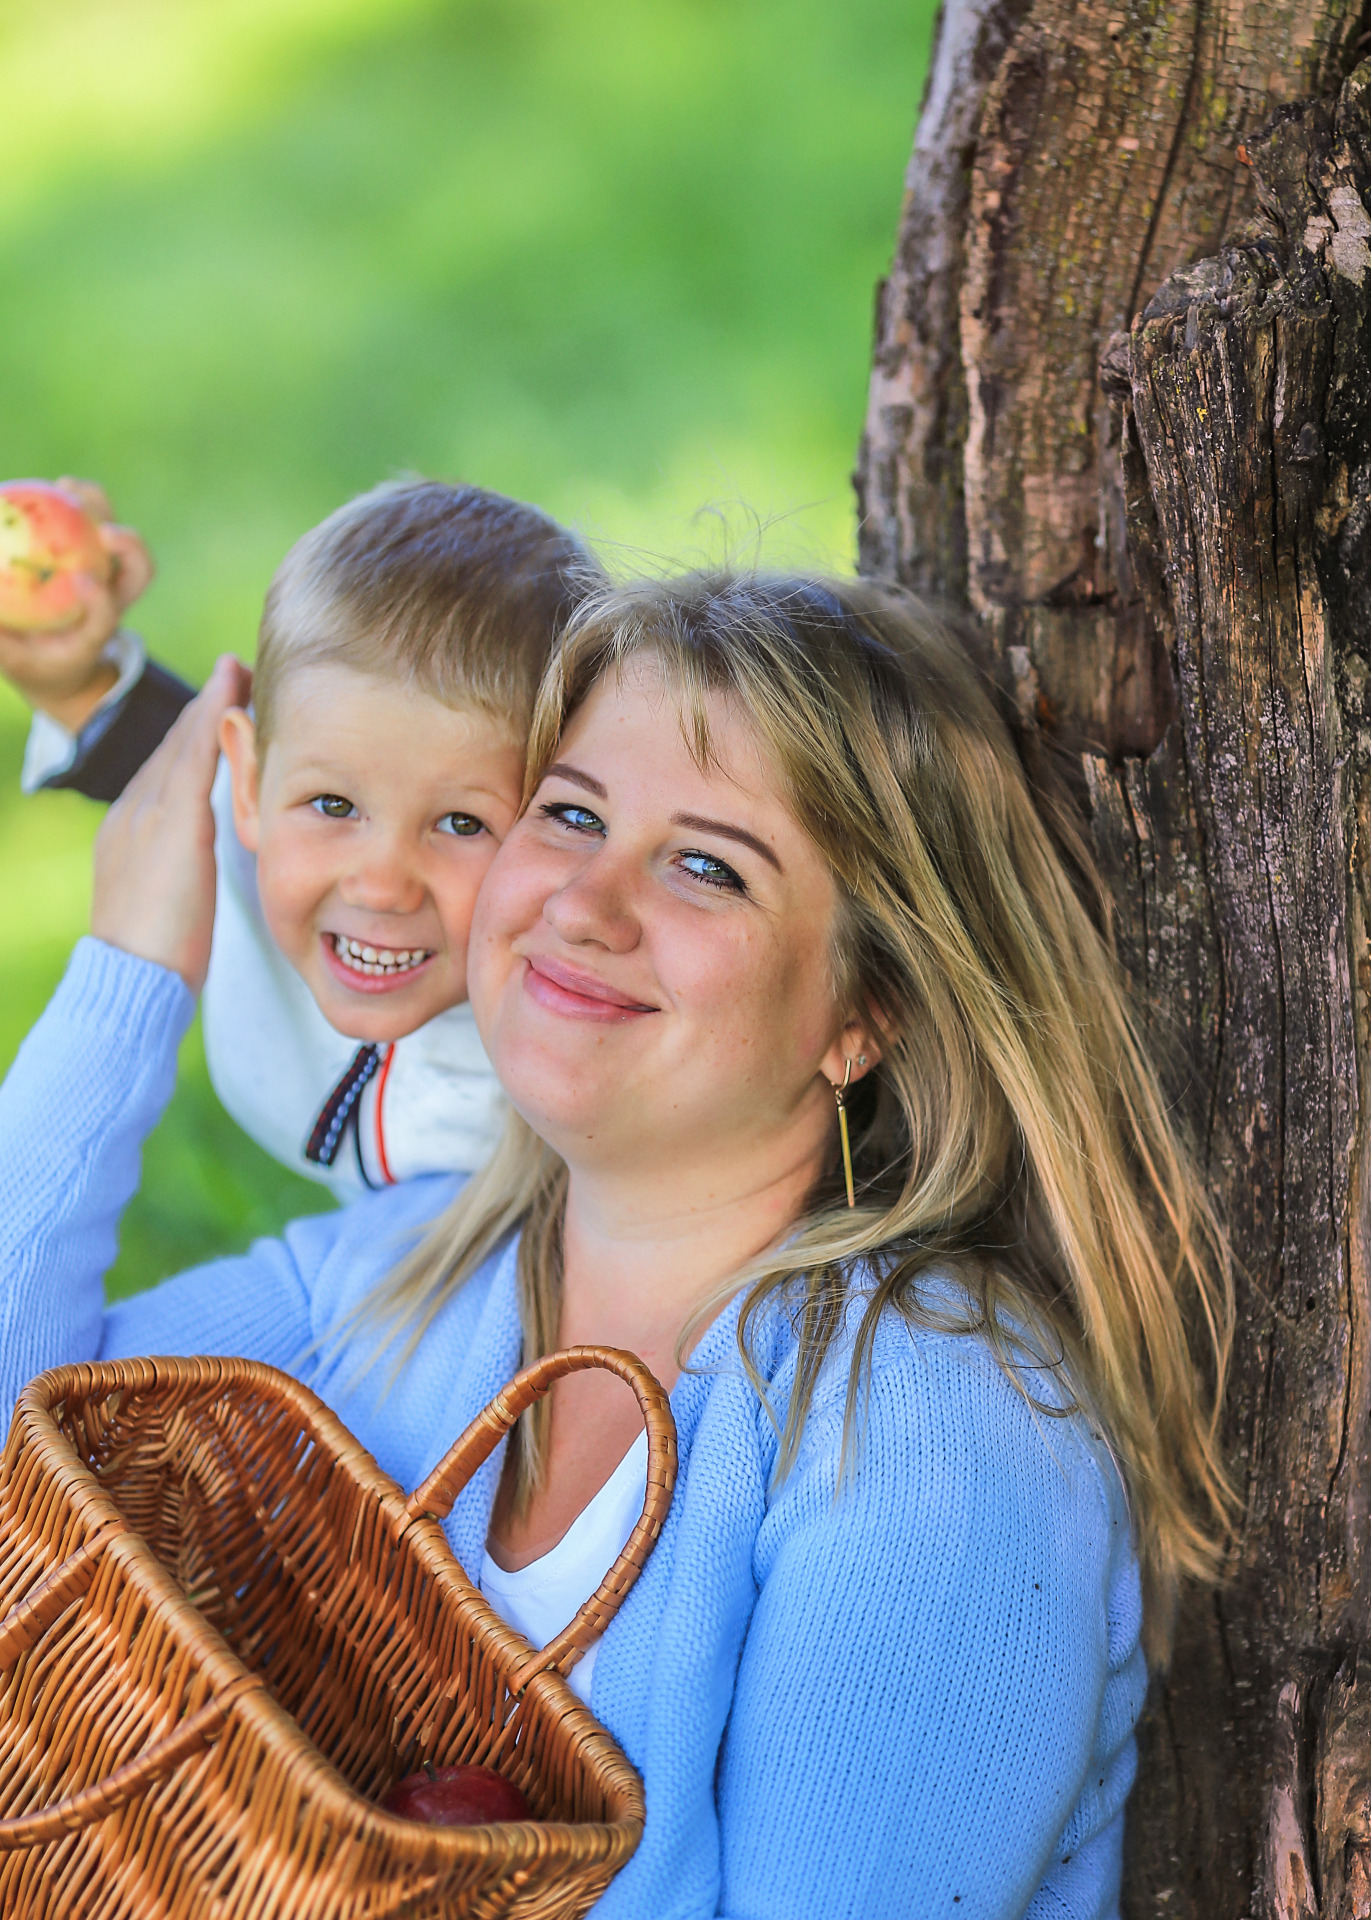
(713, 873)
(568, 814)
(465, 825)
(333, 806)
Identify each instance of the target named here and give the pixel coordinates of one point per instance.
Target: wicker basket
(228, 1633)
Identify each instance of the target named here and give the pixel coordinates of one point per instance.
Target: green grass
(257, 254)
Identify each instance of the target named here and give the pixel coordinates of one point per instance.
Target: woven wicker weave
(226, 1633)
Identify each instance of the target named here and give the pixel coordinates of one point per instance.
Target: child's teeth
(364, 959)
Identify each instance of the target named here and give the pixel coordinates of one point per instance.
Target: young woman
(944, 1446)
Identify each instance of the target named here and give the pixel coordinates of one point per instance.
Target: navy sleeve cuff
(130, 732)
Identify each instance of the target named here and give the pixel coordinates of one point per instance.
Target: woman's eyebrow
(701, 825)
(578, 779)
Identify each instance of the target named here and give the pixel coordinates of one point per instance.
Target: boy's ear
(238, 739)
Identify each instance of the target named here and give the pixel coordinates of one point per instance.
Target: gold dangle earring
(840, 1095)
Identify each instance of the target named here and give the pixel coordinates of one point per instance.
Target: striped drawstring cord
(339, 1111)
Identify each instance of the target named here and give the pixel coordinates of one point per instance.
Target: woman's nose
(595, 908)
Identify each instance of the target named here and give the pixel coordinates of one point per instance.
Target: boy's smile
(374, 811)
(372, 969)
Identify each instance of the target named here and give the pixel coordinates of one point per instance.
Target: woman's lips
(356, 981)
(566, 990)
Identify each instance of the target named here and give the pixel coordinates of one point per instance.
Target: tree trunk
(1141, 452)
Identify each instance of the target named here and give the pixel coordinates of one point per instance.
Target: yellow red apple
(52, 556)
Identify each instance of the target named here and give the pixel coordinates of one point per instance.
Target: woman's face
(649, 963)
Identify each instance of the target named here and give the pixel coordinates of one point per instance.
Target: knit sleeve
(88, 1085)
(916, 1726)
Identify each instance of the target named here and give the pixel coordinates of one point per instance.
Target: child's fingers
(133, 564)
(89, 495)
(66, 672)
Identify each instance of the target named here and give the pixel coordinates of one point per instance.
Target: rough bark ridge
(1070, 155)
(1149, 472)
(1237, 861)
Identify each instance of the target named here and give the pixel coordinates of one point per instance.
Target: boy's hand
(154, 854)
(63, 673)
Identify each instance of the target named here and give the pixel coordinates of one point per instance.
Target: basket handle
(435, 1495)
(126, 1783)
(25, 1624)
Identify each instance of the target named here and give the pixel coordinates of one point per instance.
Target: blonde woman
(946, 1446)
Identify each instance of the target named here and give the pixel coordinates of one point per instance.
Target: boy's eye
(713, 873)
(465, 825)
(568, 814)
(333, 806)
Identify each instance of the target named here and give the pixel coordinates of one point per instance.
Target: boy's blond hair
(457, 590)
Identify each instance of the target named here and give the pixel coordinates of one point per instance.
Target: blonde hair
(457, 590)
(1014, 1129)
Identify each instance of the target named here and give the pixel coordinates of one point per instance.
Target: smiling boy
(373, 811)
(401, 645)
(357, 808)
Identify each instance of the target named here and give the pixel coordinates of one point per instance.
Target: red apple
(456, 1797)
(51, 556)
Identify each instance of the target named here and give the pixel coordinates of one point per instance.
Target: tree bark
(1141, 452)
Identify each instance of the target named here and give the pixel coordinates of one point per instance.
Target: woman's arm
(916, 1727)
(89, 1084)
(92, 1078)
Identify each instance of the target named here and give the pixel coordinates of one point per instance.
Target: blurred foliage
(258, 254)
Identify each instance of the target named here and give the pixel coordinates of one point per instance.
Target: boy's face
(374, 812)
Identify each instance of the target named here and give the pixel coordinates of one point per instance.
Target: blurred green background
(256, 255)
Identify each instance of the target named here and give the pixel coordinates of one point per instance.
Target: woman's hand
(65, 674)
(154, 854)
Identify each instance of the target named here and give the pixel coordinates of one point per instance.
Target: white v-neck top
(540, 1599)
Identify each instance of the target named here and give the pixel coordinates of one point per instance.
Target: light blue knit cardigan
(916, 1698)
